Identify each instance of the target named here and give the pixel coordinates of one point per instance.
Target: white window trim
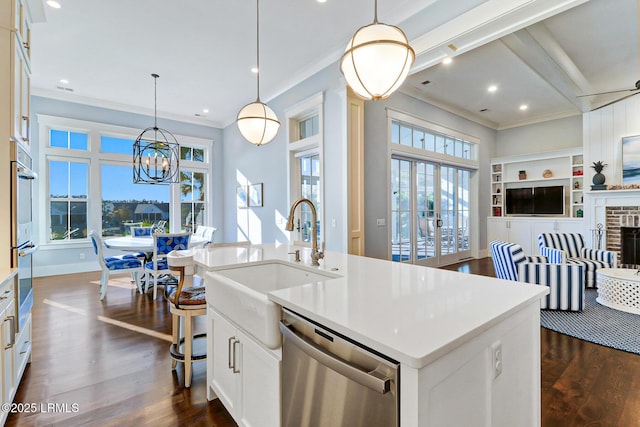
(95, 158)
(307, 146)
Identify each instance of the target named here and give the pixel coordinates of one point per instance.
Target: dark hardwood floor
(110, 358)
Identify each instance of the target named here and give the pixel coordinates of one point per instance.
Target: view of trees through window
(90, 176)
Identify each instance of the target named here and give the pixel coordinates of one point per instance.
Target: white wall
(67, 260)
(603, 133)
(377, 163)
(552, 135)
(244, 162)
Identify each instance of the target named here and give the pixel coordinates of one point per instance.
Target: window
(309, 189)
(90, 182)
(409, 135)
(305, 165)
(192, 195)
(67, 139)
(192, 154)
(68, 199)
(110, 144)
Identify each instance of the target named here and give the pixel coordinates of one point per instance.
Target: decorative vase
(598, 179)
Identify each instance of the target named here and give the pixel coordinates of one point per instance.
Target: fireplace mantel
(596, 203)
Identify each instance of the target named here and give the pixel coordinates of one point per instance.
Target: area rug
(597, 323)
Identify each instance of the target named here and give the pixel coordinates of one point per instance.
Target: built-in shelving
(564, 167)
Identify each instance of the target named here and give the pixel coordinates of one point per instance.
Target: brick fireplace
(623, 221)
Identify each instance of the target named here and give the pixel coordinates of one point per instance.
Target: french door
(430, 212)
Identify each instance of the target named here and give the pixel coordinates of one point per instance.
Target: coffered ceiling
(540, 52)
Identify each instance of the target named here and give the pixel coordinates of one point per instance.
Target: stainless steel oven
(330, 381)
(22, 245)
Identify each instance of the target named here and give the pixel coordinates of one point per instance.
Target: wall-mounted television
(535, 200)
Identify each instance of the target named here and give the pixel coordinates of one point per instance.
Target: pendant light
(377, 60)
(257, 122)
(156, 152)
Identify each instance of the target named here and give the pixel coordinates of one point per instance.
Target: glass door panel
(425, 210)
(430, 212)
(401, 211)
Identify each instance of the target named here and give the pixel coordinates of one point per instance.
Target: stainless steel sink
(240, 293)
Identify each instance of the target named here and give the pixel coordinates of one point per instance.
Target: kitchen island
(468, 346)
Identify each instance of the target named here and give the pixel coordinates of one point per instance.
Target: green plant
(598, 166)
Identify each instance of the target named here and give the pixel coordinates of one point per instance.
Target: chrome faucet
(315, 253)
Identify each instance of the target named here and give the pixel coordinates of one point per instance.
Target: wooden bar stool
(185, 303)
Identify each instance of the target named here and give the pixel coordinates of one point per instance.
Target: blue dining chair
(141, 231)
(126, 263)
(163, 243)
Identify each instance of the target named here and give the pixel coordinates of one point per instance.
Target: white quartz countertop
(410, 313)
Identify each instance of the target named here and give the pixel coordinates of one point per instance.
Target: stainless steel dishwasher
(330, 381)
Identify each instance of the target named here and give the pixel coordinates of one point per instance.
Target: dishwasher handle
(380, 385)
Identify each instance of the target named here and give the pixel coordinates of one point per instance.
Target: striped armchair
(565, 281)
(569, 248)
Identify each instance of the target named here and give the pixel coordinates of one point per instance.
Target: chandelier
(377, 60)
(257, 123)
(156, 152)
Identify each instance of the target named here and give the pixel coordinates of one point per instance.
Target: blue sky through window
(117, 184)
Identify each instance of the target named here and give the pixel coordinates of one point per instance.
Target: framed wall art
(631, 161)
(255, 195)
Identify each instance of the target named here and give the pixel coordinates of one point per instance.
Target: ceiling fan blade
(617, 100)
(606, 93)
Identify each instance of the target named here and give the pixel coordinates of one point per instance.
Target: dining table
(145, 243)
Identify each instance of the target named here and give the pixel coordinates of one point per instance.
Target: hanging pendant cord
(155, 100)
(258, 48)
(375, 11)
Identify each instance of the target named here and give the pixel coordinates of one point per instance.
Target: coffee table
(619, 288)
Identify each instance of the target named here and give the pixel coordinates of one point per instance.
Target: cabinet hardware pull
(229, 351)
(26, 133)
(12, 319)
(26, 45)
(235, 369)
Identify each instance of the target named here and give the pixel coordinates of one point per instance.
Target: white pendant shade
(377, 61)
(258, 123)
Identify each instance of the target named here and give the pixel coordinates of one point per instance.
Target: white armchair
(569, 248)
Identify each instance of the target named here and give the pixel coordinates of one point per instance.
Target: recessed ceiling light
(54, 4)
(524, 107)
(254, 70)
(205, 110)
(447, 60)
(492, 88)
(64, 81)
(322, 1)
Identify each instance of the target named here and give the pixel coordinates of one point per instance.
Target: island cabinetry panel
(243, 374)
(492, 380)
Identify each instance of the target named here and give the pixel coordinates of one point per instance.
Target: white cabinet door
(8, 341)
(224, 381)
(497, 229)
(520, 233)
(512, 231)
(260, 386)
(246, 376)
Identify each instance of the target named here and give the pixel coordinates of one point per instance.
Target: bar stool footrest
(176, 354)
